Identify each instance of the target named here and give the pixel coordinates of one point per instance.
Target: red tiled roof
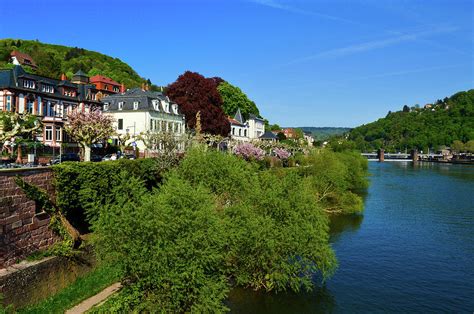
(21, 57)
(233, 121)
(103, 79)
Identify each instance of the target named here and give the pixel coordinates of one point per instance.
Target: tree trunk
(19, 156)
(87, 152)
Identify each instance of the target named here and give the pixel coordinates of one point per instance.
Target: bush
(168, 244)
(82, 188)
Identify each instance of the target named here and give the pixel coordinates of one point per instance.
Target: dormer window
(175, 108)
(156, 103)
(116, 89)
(167, 107)
(135, 105)
(120, 105)
(47, 89)
(29, 84)
(106, 106)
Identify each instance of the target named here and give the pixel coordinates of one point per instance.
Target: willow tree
(88, 128)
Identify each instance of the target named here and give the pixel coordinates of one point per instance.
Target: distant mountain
(323, 133)
(428, 127)
(53, 60)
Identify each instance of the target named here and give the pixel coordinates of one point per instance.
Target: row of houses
(135, 110)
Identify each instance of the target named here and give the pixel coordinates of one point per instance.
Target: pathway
(94, 300)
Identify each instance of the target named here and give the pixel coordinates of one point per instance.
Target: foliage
(323, 133)
(88, 128)
(218, 220)
(249, 152)
(446, 121)
(82, 188)
(169, 245)
(16, 128)
(81, 289)
(53, 60)
(194, 93)
(336, 178)
(233, 98)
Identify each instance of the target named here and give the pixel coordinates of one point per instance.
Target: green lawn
(83, 288)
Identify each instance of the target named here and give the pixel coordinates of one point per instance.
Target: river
(412, 250)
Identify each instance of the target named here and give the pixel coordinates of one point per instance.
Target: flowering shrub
(249, 151)
(281, 153)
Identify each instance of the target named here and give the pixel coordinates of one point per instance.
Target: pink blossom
(249, 151)
(281, 153)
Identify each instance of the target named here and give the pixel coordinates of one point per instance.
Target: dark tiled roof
(268, 135)
(80, 73)
(238, 116)
(144, 98)
(254, 117)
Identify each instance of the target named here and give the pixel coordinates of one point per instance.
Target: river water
(412, 250)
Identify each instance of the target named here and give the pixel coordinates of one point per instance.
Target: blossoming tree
(249, 152)
(88, 128)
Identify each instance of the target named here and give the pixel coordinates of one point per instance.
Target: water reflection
(344, 223)
(320, 300)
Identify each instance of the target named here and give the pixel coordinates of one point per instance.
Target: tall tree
(233, 98)
(193, 92)
(88, 128)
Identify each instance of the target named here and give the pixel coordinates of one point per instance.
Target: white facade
(245, 131)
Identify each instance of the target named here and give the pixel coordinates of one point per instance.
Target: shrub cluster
(83, 188)
(218, 221)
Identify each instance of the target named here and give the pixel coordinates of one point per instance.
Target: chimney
(147, 87)
(122, 88)
(63, 77)
(143, 86)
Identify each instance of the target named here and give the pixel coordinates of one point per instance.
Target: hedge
(81, 188)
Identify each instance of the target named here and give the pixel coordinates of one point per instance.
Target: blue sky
(305, 63)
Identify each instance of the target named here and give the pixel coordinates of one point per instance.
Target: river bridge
(381, 155)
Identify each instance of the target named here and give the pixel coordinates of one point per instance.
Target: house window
(120, 124)
(29, 107)
(106, 87)
(245, 133)
(9, 104)
(106, 106)
(58, 134)
(155, 104)
(120, 105)
(116, 89)
(233, 131)
(48, 133)
(151, 124)
(135, 105)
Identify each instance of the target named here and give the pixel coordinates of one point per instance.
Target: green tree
(233, 98)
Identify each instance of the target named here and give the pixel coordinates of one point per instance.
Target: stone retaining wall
(24, 229)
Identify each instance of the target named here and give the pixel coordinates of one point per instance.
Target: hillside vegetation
(440, 124)
(323, 133)
(53, 60)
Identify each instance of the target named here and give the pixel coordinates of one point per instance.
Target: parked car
(65, 157)
(96, 158)
(129, 156)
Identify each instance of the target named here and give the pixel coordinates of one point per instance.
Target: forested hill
(53, 60)
(323, 133)
(431, 126)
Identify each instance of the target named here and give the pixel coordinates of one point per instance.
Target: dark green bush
(82, 188)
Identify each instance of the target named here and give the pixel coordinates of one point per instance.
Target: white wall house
(139, 111)
(245, 131)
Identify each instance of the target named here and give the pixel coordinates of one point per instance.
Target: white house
(139, 111)
(242, 130)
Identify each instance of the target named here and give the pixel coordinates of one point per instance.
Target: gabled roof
(254, 117)
(104, 79)
(238, 116)
(23, 58)
(80, 73)
(234, 122)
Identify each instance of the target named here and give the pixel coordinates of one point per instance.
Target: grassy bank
(83, 288)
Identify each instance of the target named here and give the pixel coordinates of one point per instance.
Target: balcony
(53, 119)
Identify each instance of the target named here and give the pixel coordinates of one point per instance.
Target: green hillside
(53, 60)
(442, 123)
(323, 133)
